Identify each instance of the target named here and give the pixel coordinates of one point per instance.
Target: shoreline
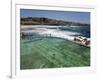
(54, 33)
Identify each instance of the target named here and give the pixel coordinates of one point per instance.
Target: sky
(82, 17)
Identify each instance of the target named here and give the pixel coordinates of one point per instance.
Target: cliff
(47, 21)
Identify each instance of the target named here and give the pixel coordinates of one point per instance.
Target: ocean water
(83, 30)
(80, 30)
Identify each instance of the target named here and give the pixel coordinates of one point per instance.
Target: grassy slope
(53, 52)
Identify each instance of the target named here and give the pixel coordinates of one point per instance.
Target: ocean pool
(52, 52)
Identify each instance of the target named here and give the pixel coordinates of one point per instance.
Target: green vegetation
(52, 53)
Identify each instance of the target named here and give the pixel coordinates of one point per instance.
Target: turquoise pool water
(52, 53)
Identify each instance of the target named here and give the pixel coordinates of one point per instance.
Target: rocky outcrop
(47, 21)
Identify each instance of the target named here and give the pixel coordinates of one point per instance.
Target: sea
(82, 30)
